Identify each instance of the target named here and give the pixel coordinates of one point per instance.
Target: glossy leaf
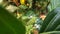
(49, 17)
(53, 23)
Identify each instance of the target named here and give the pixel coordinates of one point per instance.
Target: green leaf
(53, 23)
(52, 32)
(53, 4)
(9, 24)
(57, 28)
(49, 17)
(23, 6)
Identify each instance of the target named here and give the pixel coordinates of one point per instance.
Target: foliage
(53, 4)
(9, 24)
(29, 19)
(23, 6)
(51, 23)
